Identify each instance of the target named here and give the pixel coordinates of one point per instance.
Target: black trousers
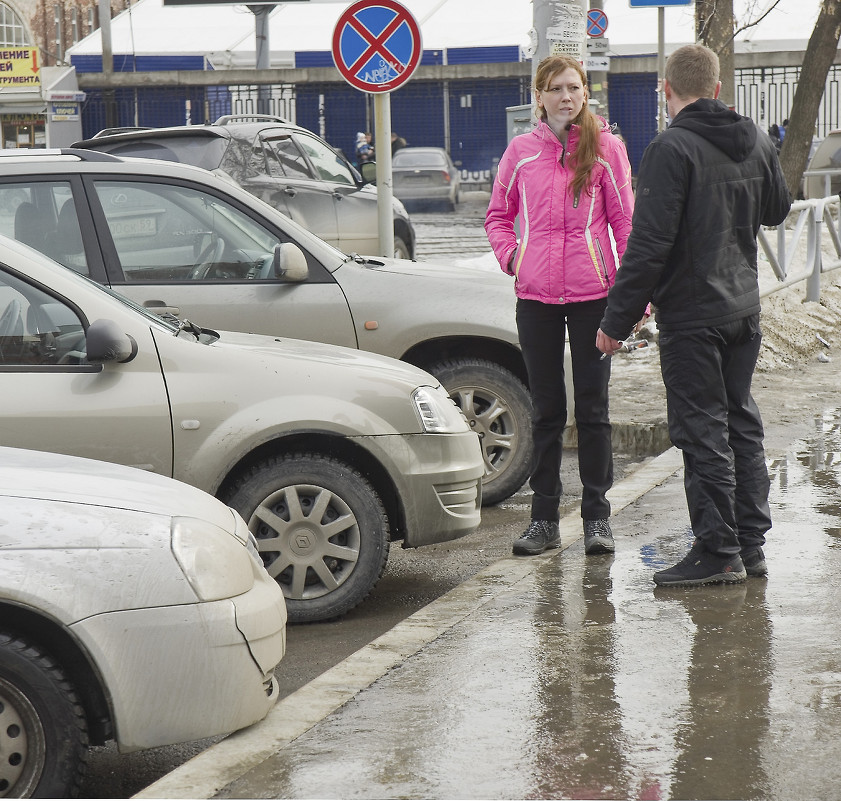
(543, 328)
(714, 420)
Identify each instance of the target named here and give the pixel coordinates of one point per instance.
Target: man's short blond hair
(692, 72)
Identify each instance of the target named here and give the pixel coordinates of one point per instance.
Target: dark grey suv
(288, 166)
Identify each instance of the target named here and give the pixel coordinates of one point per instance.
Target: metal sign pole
(382, 154)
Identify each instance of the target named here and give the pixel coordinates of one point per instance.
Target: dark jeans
(714, 420)
(542, 329)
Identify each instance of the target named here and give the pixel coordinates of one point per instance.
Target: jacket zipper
(577, 196)
(601, 256)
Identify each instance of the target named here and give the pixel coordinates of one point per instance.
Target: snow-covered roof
(225, 33)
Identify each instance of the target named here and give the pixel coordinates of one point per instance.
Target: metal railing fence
(797, 250)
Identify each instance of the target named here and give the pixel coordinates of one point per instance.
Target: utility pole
(560, 28)
(107, 62)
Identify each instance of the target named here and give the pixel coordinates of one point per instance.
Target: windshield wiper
(196, 330)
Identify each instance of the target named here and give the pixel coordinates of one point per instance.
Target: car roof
(223, 128)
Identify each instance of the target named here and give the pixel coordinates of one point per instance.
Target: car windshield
(200, 151)
(423, 159)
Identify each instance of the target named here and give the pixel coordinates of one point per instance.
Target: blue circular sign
(376, 45)
(596, 22)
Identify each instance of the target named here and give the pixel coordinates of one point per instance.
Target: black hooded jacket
(706, 184)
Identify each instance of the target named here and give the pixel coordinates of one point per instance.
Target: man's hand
(606, 344)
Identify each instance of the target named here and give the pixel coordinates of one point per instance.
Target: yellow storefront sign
(19, 67)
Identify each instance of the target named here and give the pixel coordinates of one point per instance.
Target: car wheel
(498, 407)
(321, 530)
(43, 732)
(401, 249)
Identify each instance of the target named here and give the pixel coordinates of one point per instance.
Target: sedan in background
(425, 176)
(133, 608)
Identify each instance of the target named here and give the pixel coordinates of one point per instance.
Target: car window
(329, 165)
(402, 159)
(37, 329)
(285, 158)
(42, 214)
(200, 151)
(176, 233)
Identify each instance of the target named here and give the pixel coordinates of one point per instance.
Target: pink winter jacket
(564, 254)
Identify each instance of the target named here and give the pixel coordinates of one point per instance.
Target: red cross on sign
(376, 45)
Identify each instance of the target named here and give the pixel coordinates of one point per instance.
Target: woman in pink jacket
(568, 181)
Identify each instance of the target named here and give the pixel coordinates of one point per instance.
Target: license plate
(133, 226)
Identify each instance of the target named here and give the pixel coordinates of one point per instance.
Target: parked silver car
(288, 166)
(132, 608)
(329, 454)
(425, 176)
(183, 242)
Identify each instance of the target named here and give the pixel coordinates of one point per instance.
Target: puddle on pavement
(582, 682)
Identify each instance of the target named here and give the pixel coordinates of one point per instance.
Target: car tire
(401, 249)
(43, 731)
(498, 407)
(325, 567)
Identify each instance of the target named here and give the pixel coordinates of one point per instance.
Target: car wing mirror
(369, 172)
(106, 342)
(290, 263)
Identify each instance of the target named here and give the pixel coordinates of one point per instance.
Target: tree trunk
(817, 60)
(714, 28)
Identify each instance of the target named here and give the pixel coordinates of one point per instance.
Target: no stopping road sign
(376, 45)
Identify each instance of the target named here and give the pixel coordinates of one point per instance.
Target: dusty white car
(329, 454)
(133, 608)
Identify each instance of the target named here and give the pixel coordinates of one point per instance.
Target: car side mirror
(106, 342)
(290, 263)
(369, 172)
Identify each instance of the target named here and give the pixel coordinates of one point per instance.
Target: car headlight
(216, 564)
(437, 411)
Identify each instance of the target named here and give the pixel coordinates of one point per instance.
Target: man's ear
(717, 90)
(667, 89)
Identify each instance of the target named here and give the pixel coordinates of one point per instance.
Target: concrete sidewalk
(561, 676)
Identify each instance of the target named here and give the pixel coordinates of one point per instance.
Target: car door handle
(160, 307)
(290, 191)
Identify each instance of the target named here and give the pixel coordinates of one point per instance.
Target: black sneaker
(699, 567)
(754, 561)
(598, 538)
(540, 535)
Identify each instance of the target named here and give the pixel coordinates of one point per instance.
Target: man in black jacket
(705, 186)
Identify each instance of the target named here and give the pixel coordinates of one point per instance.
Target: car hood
(333, 357)
(55, 477)
(429, 271)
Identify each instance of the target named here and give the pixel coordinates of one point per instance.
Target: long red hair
(589, 141)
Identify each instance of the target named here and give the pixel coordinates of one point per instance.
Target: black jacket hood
(730, 132)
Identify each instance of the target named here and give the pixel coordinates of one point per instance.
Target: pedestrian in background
(364, 150)
(397, 142)
(569, 181)
(705, 186)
